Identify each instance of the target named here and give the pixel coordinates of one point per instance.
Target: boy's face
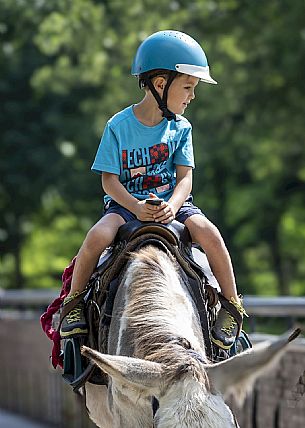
(181, 92)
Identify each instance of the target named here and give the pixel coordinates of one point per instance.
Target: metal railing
(282, 306)
(27, 299)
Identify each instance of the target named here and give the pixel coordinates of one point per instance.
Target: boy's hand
(163, 213)
(144, 211)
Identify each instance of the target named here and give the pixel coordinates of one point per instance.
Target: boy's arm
(184, 180)
(112, 186)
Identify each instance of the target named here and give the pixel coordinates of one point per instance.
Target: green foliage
(65, 69)
(47, 250)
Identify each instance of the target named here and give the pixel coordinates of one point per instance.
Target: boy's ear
(159, 83)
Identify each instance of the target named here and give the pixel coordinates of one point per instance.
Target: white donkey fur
(190, 393)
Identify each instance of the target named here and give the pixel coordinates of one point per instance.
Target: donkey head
(185, 399)
(194, 396)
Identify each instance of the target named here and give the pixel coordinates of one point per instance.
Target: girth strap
(200, 302)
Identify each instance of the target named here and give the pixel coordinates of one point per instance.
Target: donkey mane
(154, 291)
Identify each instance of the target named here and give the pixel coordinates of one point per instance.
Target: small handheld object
(154, 201)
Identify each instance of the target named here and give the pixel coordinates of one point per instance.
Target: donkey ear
(237, 375)
(144, 375)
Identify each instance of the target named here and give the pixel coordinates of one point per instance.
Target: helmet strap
(162, 102)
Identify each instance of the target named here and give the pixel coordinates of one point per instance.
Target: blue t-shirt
(144, 157)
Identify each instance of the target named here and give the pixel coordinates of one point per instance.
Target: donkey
(157, 354)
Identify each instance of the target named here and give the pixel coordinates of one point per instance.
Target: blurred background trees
(65, 69)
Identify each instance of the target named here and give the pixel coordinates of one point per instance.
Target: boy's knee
(213, 230)
(93, 238)
(99, 236)
(202, 228)
(215, 237)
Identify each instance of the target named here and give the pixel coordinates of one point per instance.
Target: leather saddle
(174, 238)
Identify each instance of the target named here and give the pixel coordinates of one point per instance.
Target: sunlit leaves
(65, 69)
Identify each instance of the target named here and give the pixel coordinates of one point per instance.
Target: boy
(146, 152)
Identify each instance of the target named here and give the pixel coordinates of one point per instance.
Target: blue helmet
(172, 50)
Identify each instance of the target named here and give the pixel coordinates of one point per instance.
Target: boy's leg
(98, 238)
(209, 238)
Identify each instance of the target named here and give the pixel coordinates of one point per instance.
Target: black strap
(112, 290)
(162, 102)
(198, 296)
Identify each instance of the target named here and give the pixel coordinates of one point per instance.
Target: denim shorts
(187, 210)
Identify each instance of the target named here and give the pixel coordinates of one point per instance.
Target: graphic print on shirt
(144, 169)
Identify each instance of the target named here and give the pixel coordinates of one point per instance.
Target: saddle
(173, 238)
